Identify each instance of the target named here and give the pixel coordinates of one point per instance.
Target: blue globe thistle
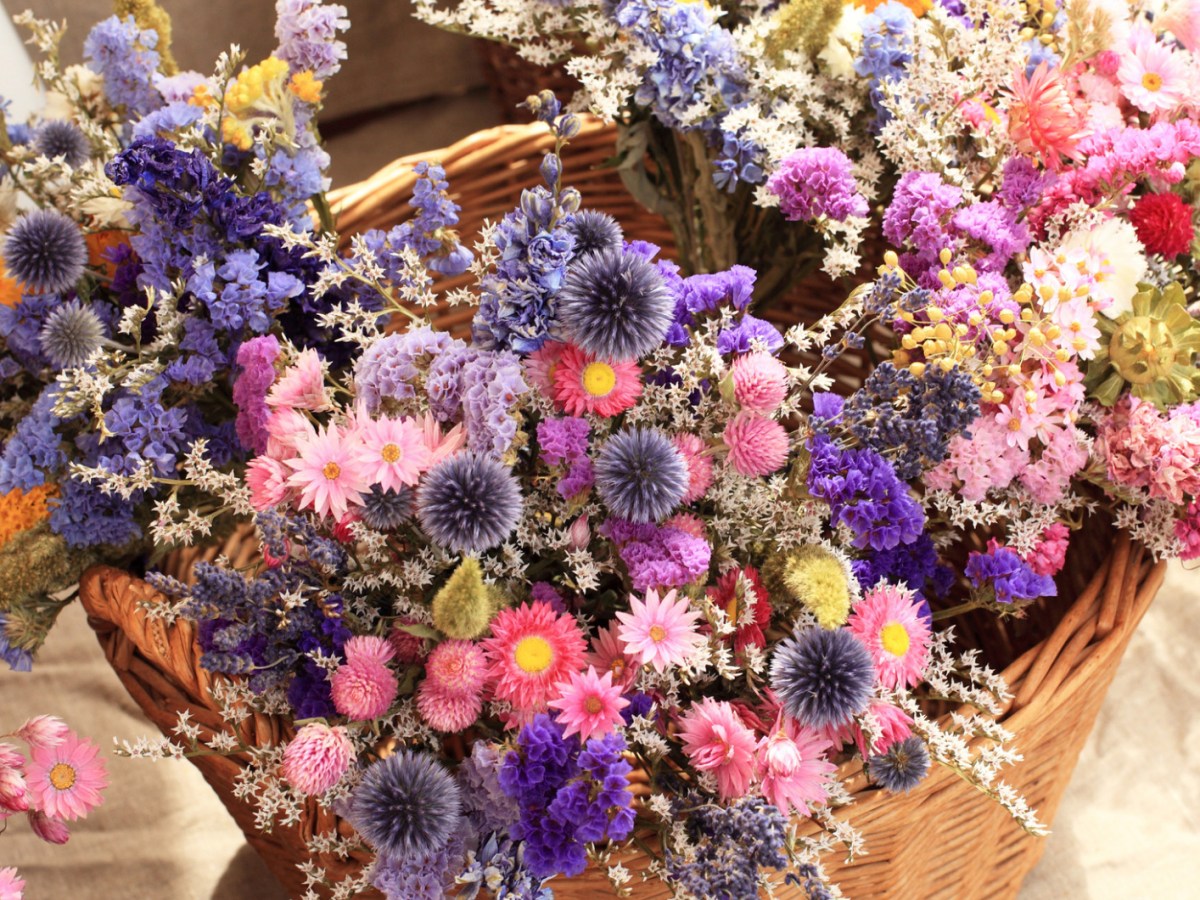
(615, 304)
(594, 231)
(823, 677)
(45, 251)
(640, 475)
(388, 510)
(71, 335)
(60, 138)
(469, 503)
(902, 767)
(406, 806)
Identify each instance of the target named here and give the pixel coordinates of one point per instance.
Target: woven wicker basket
(942, 840)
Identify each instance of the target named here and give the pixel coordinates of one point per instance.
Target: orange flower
(1042, 119)
(10, 288)
(100, 241)
(19, 510)
(917, 7)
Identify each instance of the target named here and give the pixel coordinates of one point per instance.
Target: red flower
(1163, 223)
(725, 595)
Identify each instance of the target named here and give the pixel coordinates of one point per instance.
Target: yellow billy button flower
(598, 379)
(306, 87)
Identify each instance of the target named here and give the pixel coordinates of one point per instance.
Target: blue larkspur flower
(823, 677)
(615, 305)
(901, 767)
(406, 805)
(61, 138)
(469, 503)
(640, 475)
(45, 251)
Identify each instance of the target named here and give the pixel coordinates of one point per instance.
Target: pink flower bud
(43, 731)
(52, 831)
(580, 534)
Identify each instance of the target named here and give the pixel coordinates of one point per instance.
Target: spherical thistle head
(390, 509)
(823, 678)
(406, 806)
(615, 305)
(45, 251)
(61, 138)
(465, 604)
(469, 503)
(901, 767)
(640, 475)
(71, 335)
(594, 231)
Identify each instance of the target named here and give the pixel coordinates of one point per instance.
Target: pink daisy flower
(286, 430)
(65, 780)
(699, 465)
(441, 444)
(267, 479)
(43, 731)
(532, 649)
(302, 385)
(889, 623)
(588, 704)
(757, 445)
(1182, 19)
(14, 792)
(660, 632)
(792, 766)
(1080, 334)
(317, 758)
(363, 690)
(716, 740)
(327, 474)
(1042, 119)
(1153, 77)
(540, 366)
(392, 451)
(759, 382)
(457, 669)
(444, 713)
(608, 655)
(52, 831)
(12, 886)
(894, 724)
(1017, 423)
(584, 384)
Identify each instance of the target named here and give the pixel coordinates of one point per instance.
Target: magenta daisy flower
(589, 705)
(531, 650)
(393, 452)
(889, 623)
(608, 655)
(660, 632)
(66, 779)
(792, 766)
(327, 474)
(584, 384)
(716, 740)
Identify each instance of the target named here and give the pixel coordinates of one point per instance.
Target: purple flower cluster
(33, 449)
(390, 367)
(307, 31)
(1008, 577)
(994, 227)
(864, 494)
(885, 52)
(1022, 183)
(484, 801)
(817, 181)
(658, 556)
(731, 844)
(256, 359)
(124, 56)
(748, 333)
(915, 565)
(491, 383)
(564, 442)
(919, 215)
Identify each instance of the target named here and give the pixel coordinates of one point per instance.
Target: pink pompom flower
(363, 690)
(446, 713)
(792, 766)
(716, 740)
(589, 705)
(302, 385)
(364, 649)
(1048, 556)
(317, 758)
(328, 474)
(889, 623)
(759, 382)
(66, 779)
(456, 668)
(392, 451)
(757, 445)
(699, 465)
(660, 631)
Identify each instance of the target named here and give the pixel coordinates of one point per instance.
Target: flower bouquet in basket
(617, 590)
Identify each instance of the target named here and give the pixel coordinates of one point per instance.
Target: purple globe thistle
(62, 138)
(902, 767)
(390, 509)
(594, 231)
(823, 677)
(71, 335)
(406, 806)
(45, 251)
(640, 475)
(469, 503)
(615, 305)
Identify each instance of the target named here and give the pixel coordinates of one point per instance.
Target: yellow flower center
(62, 777)
(1152, 81)
(731, 610)
(617, 667)
(533, 654)
(657, 633)
(1014, 424)
(894, 638)
(592, 705)
(599, 379)
(390, 453)
(331, 470)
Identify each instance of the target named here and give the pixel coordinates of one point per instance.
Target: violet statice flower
(307, 31)
(125, 56)
(740, 159)
(428, 876)
(469, 503)
(256, 360)
(995, 228)
(45, 251)
(901, 767)
(823, 676)
(498, 867)
(18, 660)
(33, 448)
(749, 333)
(492, 383)
(640, 475)
(731, 844)
(580, 477)
(864, 494)
(708, 292)
(915, 565)
(885, 52)
(919, 214)
(406, 806)
(817, 181)
(485, 803)
(1006, 576)
(598, 804)
(1022, 183)
(390, 367)
(86, 517)
(658, 557)
(562, 440)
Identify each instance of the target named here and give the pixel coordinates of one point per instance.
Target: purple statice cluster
(307, 31)
(915, 565)
(816, 182)
(425, 876)
(498, 867)
(489, 809)
(658, 556)
(125, 57)
(568, 795)
(749, 333)
(388, 373)
(864, 494)
(490, 384)
(919, 216)
(885, 52)
(1001, 574)
(564, 442)
(911, 419)
(256, 373)
(729, 845)
(704, 293)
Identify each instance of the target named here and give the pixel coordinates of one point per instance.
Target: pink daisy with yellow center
(793, 768)
(608, 655)
(392, 452)
(66, 779)
(716, 740)
(328, 474)
(660, 632)
(889, 623)
(589, 705)
(531, 650)
(540, 366)
(1153, 76)
(584, 384)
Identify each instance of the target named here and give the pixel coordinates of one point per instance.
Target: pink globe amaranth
(699, 466)
(367, 648)
(457, 669)
(759, 382)
(446, 713)
(757, 445)
(363, 690)
(317, 758)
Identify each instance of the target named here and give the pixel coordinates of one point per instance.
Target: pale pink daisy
(608, 655)
(267, 479)
(286, 430)
(392, 451)
(363, 690)
(52, 831)
(1080, 334)
(12, 886)
(1016, 423)
(660, 632)
(441, 444)
(328, 474)
(1153, 77)
(699, 465)
(540, 366)
(588, 704)
(66, 779)
(792, 767)
(43, 731)
(302, 385)
(759, 382)
(716, 740)
(317, 758)
(888, 621)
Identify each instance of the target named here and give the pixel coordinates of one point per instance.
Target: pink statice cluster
(1143, 448)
